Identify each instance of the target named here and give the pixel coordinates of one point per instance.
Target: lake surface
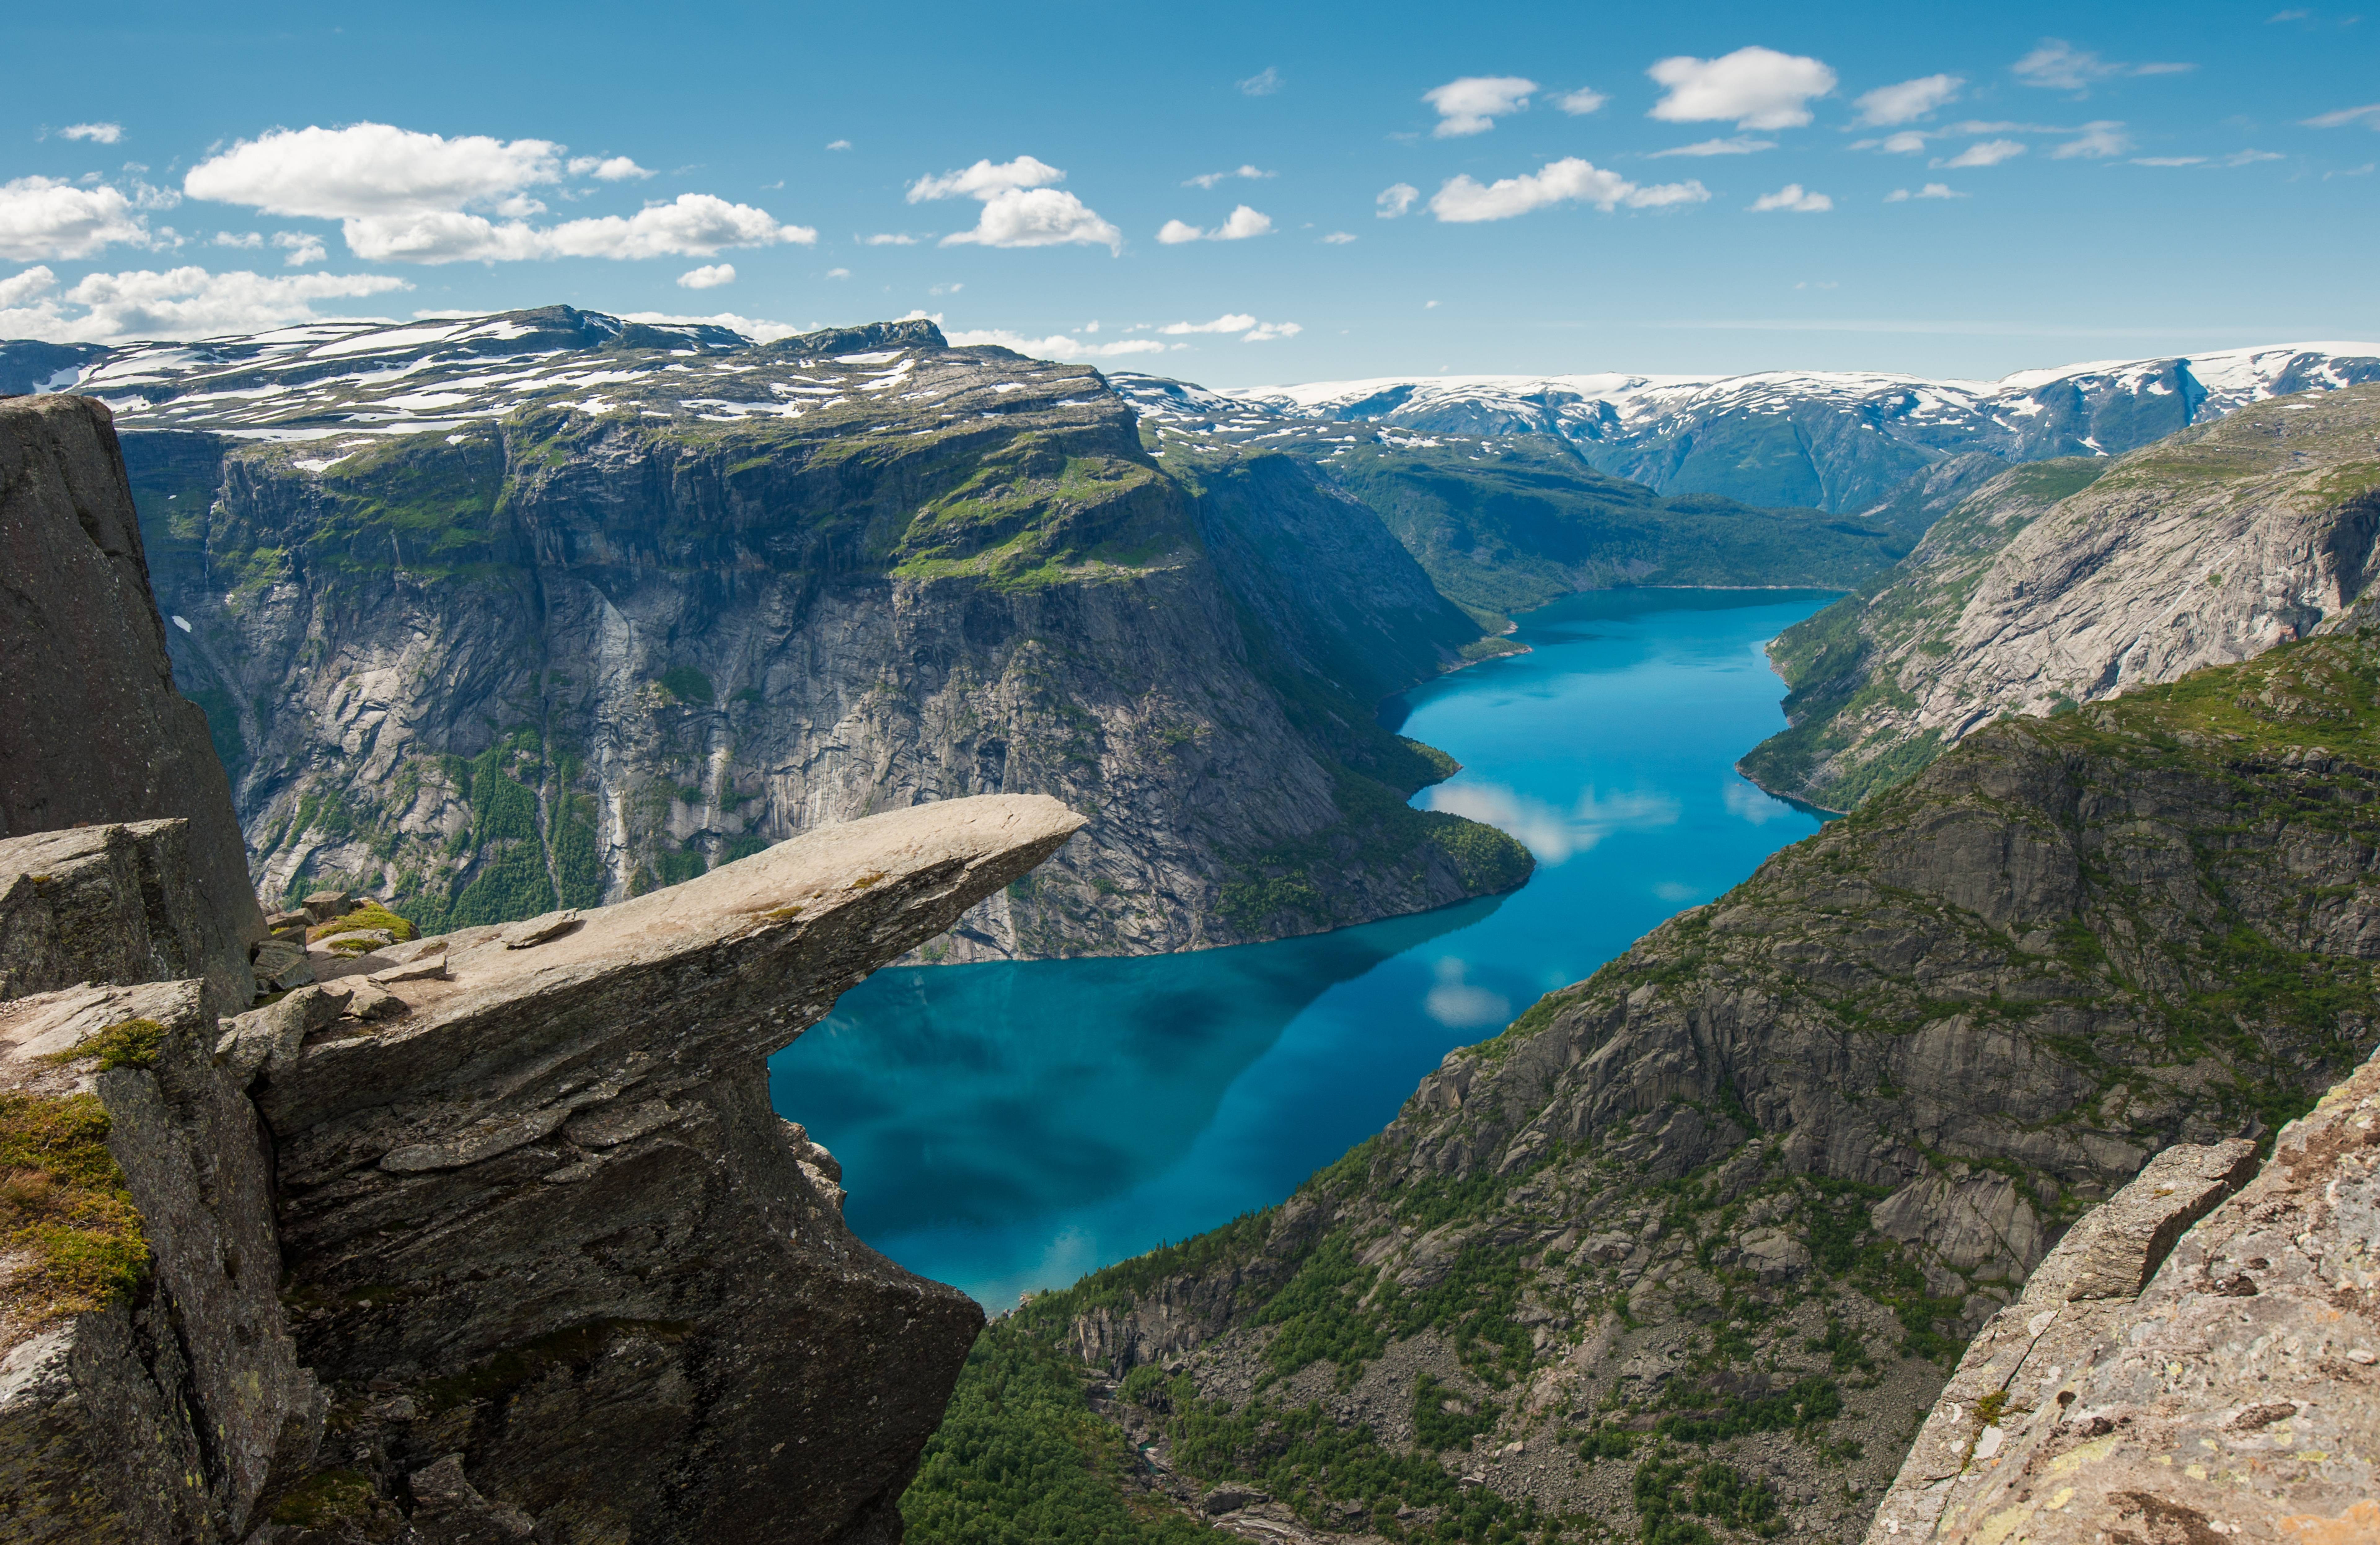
(1009, 1128)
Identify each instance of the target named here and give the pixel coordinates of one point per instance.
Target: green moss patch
(63, 1198)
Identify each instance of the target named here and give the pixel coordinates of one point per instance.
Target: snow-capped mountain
(1833, 439)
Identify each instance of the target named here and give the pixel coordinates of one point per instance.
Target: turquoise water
(1008, 1127)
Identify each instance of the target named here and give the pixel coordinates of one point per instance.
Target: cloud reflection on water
(1551, 833)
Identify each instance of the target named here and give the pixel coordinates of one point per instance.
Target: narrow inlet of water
(1009, 1128)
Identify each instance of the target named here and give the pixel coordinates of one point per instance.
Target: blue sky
(1953, 191)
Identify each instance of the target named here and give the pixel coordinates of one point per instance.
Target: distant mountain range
(1831, 440)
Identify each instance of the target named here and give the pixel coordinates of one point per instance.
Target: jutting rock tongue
(90, 727)
(548, 1220)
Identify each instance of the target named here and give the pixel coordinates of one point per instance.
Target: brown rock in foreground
(91, 729)
(2236, 1398)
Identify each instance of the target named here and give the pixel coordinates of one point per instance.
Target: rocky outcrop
(91, 726)
(2073, 580)
(1699, 1238)
(522, 1221)
(2155, 1386)
(649, 599)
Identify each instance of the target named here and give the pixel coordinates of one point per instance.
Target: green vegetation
(126, 1044)
(1443, 1419)
(369, 916)
(322, 1500)
(63, 1200)
(688, 684)
(1671, 1494)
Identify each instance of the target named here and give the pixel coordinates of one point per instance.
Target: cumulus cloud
(2368, 115)
(302, 248)
(1264, 83)
(1230, 322)
(1058, 345)
(1473, 104)
(1907, 142)
(2057, 65)
(1210, 179)
(43, 217)
(1037, 217)
(710, 276)
(1734, 144)
(1569, 180)
(692, 225)
(1265, 333)
(1242, 223)
(1985, 152)
(2096, 142)
(98, 134)
(1338, 239)
(987, 179)
(1910, 100)
(406, 197)
(1581, 102)
(889, 239)
(610, 169)
(249, 239)
(838, 144)
(838, 273)
(1758, 88)
(1395, 199)
(1792, 199)
(178, 303)
(1931, 190)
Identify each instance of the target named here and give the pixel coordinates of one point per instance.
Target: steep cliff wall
(90, 727)
(1695, 1241)
(675, 600)
(2071, 581)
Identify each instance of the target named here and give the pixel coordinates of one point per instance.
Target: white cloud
(838, 144)
(2368, 115)
(1471, 104)
(1758, 88)
(43, 217)
(2237, 158)
(2057, 65)
(987, 179)
(302, 248)
(1907, 142)
(1338, 239)
(371, 170)
(1210, 179)
(248, 239)
(1553, 835)
(404, 197)
(889, 239)
(1792, 199)
(1037, 217)
(1462, 200)
(610, 169)
(1265, 333)
(1738, 144)
(98, 134)
(2098, 141)
(1887, 106)
(1230, 322)
(1985, 152)
(1580, 102)
(1058, 345)
(1931, 190)
(1242, 223)
(180, 303)
(1458, 1005)
(692, 225)
(1264, 83)
(1395, 199)
(838, 273)
(710, 276)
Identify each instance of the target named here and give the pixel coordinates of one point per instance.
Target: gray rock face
(100, 904)
(2072, 582)
(581, 645)
(90, 727)
(2234, 1394)
(171, 1416)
